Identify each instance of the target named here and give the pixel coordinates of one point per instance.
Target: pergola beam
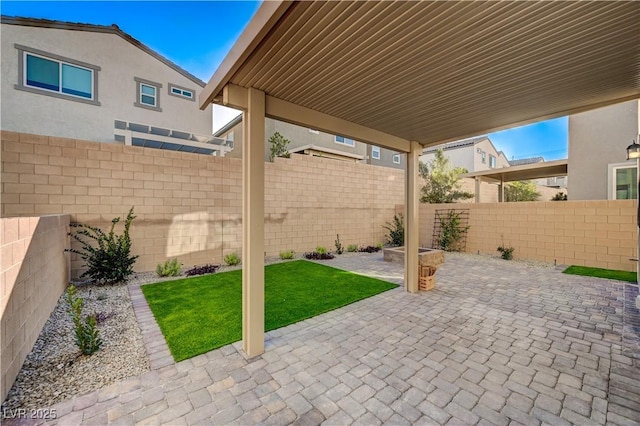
(235, 97)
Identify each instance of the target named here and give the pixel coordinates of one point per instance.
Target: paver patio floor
(495, 343)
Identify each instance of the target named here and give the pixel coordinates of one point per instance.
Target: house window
(492, 162)
(147, 94)
(345, 141)
(375, 152)
(484, 157)
(181, 92)
(625, 182)
(396, 159)
(53, 75)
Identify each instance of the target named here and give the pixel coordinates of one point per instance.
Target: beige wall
(596, 139)
(35, 272)
(120, 62)
(591, 233)
(189, 205)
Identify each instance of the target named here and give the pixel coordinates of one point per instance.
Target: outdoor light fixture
(633, 150)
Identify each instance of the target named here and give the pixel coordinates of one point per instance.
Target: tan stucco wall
(120, 62)
(590, 233)
(596, 139)
(189, 205)
(34, 273)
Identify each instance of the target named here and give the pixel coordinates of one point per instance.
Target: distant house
(559, 182)
(97, 83)
(313, 142)
(598, 168)
(473, 154)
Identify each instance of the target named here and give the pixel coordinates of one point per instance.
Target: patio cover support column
(477, 189)
(411, 230)
(501, 193)
(253, 225)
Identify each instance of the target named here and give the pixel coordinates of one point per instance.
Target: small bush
(506, 252)
(560, 196)
(352, 248)
(369, 249)
(201, 270)
(170, 268)
(379, 245)
(278, 146)
(107, 256)
(287, 254)
(321, 250)
(87, 336)
(339, 249)
(232, 259)
(315, 255)
(395, 238)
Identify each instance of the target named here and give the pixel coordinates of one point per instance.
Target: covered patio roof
(523, 172)
(432, 72)
(404, 75)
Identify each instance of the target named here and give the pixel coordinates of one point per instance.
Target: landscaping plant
(451, 232)
(521, 191)
(278, 146)
(107, 256)
(232, 259)
(369, 249)
(395, 238)
(352, 248)
(441, 181)
(170, 268)
(560, 196)
(287, 254)
(319, 254)
(339, 249)
(201, 270)
(321, 250)
(86, 332)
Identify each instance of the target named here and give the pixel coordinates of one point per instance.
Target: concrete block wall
(34, 273)
(600, 234)
(189, 206)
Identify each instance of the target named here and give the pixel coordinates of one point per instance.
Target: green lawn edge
(611, 274)
(292, 291)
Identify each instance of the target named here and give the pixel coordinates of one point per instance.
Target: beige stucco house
(598, 168)
(97, 83)
(313, 142)
(473, 154)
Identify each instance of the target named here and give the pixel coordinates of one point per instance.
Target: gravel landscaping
(55, 370)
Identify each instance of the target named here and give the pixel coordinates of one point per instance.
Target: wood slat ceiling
(439, 71)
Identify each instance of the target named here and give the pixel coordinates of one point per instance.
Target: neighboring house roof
(108, 29)
(456, 144)
(523, 161)
(311, 149)
(230, 125)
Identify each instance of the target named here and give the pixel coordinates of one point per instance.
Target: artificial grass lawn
(611, 274)
(199, 314)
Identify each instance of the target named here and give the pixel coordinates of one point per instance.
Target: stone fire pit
(427, 256)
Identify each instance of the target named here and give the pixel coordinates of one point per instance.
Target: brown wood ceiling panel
(431, 71)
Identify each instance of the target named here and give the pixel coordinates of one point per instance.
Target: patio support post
(477, 189)
(501, 193)
(411, 208)
(253, 224)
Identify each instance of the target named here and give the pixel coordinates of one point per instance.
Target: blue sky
(198, 34)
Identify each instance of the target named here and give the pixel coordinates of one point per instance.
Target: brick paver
(495, 343)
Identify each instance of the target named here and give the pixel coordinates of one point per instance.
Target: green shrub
(380, 245)
(339, 248)
(321, 250)
(287, 254)
(107, 256)
(352, 248)
(505, 252)
(87, 338)
(451, 232)
(232, 259)
(278, 146)
(395, 238)
(170, 268)
(560, 196)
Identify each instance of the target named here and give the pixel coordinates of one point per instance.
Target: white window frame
(494, 160)
(396, 159)
(611, 192)
(23, 51)
(375, 152)
(345, 143)
(157, 86)
(181, 92)
(154, 96)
